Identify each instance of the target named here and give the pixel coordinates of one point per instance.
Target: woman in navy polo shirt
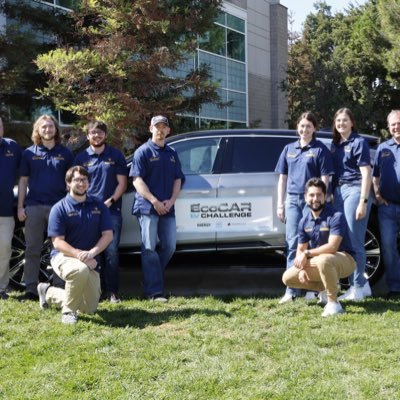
(299, 161)
(351, 184)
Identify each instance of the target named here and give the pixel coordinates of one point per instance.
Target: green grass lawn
(201, 348)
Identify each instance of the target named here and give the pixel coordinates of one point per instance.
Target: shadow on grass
(376, 305)
(134, 317)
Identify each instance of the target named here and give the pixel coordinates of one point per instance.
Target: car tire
(17, 261)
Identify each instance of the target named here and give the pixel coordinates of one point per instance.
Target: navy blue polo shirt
(10, 157)
(159, 167)
(348, 157)
(316, 231)
(387, 168)
(103, 169)
(81, 223)
(46, 170)
(302, 163)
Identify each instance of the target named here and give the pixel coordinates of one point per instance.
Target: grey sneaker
(42, 289)
(69, 318)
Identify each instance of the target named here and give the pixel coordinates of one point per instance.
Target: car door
(198, 157)
(247, 193)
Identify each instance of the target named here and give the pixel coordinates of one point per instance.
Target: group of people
(324, 198)
(76, 201)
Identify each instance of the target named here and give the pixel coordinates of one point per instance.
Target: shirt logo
(347, 149)
(310, 154)
(109, 162)
(96, 211)
(308, 229)
(72, 213)
(59, 157)
(9, 154)
(291, 155)
(154, 159)
(172, 159)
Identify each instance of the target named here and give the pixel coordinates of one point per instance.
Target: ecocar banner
(225, 214)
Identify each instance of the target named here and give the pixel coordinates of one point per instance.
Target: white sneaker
(310, 296)
(41, 289)
(287, 298)
(353, 293)
(322, 299)
(69, 318)
(332, 308)
(367, 290)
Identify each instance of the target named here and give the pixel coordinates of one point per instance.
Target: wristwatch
(112, 200)
(364, 199)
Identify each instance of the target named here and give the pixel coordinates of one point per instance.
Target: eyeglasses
(80, 180)
(97, 132)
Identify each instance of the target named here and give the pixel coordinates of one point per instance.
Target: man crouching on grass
(80, 229)
(324, 253)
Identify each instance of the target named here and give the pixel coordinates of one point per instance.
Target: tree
(131, 62)
(31, 28)
(340, 61)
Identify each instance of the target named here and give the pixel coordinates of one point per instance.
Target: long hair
(335, 133)
(309, 116)
(36, 139)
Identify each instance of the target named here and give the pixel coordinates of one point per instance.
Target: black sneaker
(28, 296)
(3, 295)
(392, 295)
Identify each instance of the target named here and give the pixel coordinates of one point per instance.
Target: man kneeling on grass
(80, 229)
(324, 253)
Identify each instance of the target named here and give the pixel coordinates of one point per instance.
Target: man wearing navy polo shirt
(157, 177)
(323, 252)
(42, 171)
(80, 228)
(386, 183)
(108, 180)
(10, 157)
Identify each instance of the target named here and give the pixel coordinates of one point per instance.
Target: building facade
(247, 51)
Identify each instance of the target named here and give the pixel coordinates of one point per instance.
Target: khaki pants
(324, 272)
(6, 234)
(82, 286)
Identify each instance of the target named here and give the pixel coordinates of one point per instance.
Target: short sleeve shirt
(10, 158)
(348, 157)
(46, 170)
(103, 170)
(81, 223)
(302, 163)
(159, 167)
(387, 169)
(316, 231)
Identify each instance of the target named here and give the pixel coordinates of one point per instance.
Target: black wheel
(17, 261)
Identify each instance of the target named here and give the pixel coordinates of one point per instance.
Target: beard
(97, 144)
(79, 193)
(318, 207)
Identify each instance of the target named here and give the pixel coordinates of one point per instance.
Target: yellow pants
(324, 272)
(82, 286)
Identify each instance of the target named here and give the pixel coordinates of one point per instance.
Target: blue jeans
(389, 225)
(295, 206)
(346, 200)
(155, 256)
(110, 270)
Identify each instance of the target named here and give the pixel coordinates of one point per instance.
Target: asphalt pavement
(216, 275)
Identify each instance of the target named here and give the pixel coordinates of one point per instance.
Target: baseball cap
(159, 118)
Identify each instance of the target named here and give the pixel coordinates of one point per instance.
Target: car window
(197, 156)
(257, 154)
